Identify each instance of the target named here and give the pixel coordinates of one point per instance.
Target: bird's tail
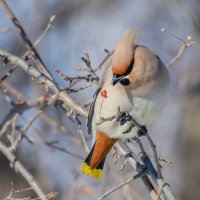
(88, 170)
(93, 164)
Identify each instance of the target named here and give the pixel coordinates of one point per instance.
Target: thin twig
(13, 114)
(50, 144)
(153, 146)
(109, 53)
(182, 48)
(32, 119)
(180, 53)
(23, 190)
(26, 54)
(25, 129)
(46, 30)
(70, 90)
(41, 79)
(172, 35)
(62, 149)
(44, 116)
(51, 195)
(17, 165)
(26, 39)
(105, 119)
(127, 181)
(79, 130)
(134, 164)
(85, 58)
(89, 78)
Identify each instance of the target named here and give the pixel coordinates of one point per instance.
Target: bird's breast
(143, 110)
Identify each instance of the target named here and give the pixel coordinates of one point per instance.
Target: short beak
(116, 79)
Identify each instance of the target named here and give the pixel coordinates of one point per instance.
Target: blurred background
(92, 26)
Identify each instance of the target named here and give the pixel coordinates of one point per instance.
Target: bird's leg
(142, 131)
(123, 117)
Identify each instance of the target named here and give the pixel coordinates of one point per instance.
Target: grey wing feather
(101, 82)
(91, 111)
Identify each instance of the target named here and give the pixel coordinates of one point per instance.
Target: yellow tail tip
(94, 173)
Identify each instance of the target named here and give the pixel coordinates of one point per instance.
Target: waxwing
(135, 81)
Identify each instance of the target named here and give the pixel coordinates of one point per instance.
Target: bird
(135, 81)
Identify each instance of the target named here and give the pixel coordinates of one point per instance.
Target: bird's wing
(105, 68)
(91, 111)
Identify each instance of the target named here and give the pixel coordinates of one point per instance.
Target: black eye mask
(125, 81)
(130, 68)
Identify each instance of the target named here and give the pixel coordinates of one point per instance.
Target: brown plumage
(123, 53)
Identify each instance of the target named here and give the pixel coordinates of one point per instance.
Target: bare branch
(127, 181)
(51, 195)
(134, 164)
(26, 54)
(153, 146)
(109, 53)
(24, 130)
(62, 149)
(12, 116)
(46, 30)
(17, 165)
(26, 39)
(85, 58)
(44, 116)
(105, 119)
(83, 138)
(180, 53)
(41, 79)
(182, 48)
(89, 78)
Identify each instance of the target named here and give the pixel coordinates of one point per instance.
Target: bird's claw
(142, 131)
(123, 117)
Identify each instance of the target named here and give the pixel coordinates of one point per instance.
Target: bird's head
(123, 58)
(133, 64)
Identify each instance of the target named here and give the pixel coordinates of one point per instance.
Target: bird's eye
(125, 81)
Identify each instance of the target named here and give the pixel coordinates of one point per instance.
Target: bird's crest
(123, 53)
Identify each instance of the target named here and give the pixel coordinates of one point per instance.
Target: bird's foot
(123, 117)
(129, 129)
(142, 131)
